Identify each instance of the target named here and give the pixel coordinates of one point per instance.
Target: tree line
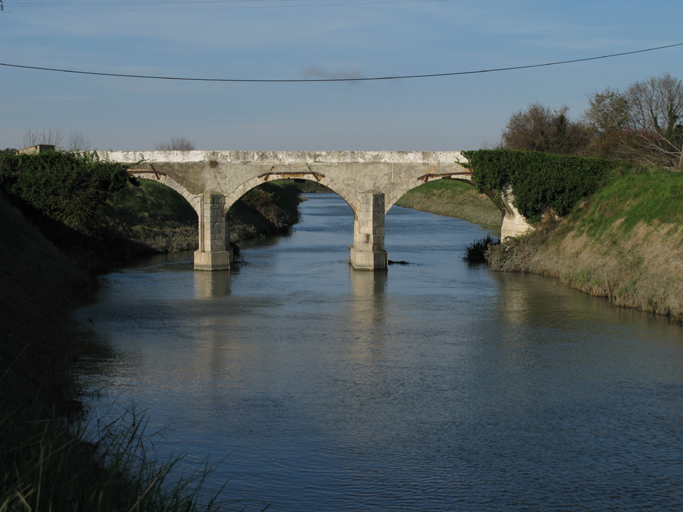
(77, 140)
(642, 124)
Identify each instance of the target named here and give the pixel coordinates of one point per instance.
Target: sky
(297, 39)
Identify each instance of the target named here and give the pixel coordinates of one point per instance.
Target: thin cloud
(320, 72)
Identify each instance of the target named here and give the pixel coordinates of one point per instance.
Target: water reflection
(433, 386)
(209, 285)
(514, 300)
(368, 296)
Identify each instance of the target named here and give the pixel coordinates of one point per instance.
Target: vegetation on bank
(267, 209)
(67, 188)
(476, 251)
(541, 182)
(453, 198)
(45, 463)
(621, 233)
(624, 242)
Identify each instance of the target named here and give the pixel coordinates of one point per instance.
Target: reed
(46, 464)
(476, 251)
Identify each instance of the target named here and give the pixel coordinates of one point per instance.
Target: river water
(434, 386)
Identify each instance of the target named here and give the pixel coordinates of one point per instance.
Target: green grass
(655, 197)
(624, 242)
(453, 198)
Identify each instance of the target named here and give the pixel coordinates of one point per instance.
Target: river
(436, 385)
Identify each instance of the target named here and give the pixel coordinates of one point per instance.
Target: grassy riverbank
(44, 463)
(624, 242)
(453, 199)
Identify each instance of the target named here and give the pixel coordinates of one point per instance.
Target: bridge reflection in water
(435, 386)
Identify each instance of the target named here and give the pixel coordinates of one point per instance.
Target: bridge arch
(463, 177)
(151, 175)
(315, 177)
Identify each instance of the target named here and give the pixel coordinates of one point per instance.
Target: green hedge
(540, 181)
(67, 187)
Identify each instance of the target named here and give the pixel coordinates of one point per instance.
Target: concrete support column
(214, 251)
(367, 251)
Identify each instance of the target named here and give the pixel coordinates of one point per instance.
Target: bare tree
(181, 143)
(78, 141)
(643, 124)
(538, 128)
(655, 120)
(608, 118)
(46, 136)
(608, 111)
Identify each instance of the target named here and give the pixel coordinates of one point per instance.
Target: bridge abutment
(367, 251)
(514, 223)
(214, 251)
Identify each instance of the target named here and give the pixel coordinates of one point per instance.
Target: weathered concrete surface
(367, 251)
(514, 223)
(369, 181)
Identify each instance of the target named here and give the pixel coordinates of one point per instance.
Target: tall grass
(45, 465)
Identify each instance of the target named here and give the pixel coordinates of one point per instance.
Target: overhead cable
(197, 5)
(350, 79)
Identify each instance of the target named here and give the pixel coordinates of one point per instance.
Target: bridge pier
(214, 251)
(367, 251)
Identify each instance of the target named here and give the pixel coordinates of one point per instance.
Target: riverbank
(46, 463)
(453, 198)
(624, 242)
(47, 260)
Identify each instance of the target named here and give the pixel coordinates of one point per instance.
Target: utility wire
(357, 79)
(199, 5)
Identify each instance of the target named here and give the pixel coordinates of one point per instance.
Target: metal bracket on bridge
(156, 173)
(425, 178)
(272, 176)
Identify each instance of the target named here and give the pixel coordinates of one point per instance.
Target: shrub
(66, 187)
(540, 181)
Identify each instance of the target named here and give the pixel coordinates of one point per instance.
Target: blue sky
(291, 38)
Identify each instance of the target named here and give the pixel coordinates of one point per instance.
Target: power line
(357, 79)
(197, 5)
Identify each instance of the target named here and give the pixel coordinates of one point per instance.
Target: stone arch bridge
(369, 181)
